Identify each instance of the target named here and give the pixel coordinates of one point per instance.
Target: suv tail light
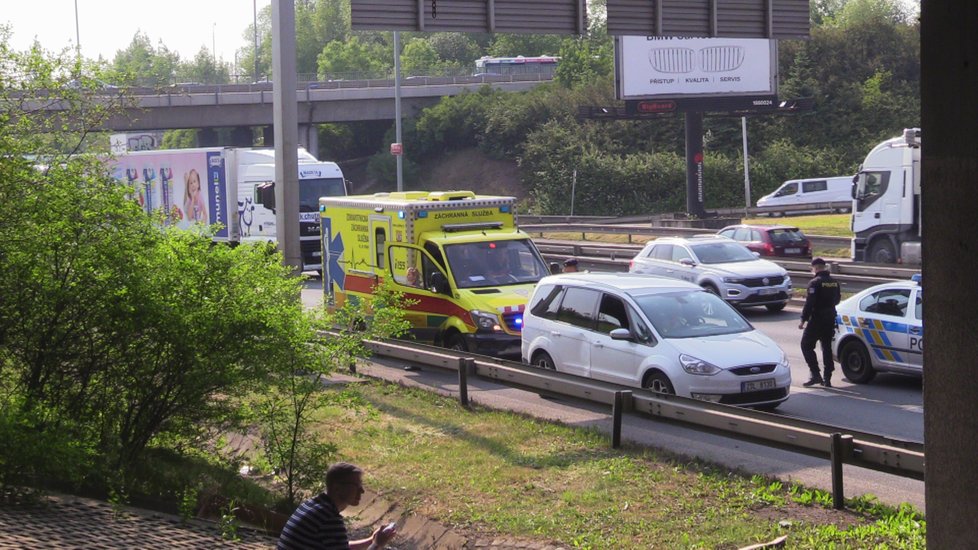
(631, 264)
(768, 249)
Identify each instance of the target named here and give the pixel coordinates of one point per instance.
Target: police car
(881, 330)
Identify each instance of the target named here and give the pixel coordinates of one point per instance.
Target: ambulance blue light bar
(504, 209)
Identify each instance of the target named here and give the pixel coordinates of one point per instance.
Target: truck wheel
(457, 343)
(543, 360)
(881, 252)
(855, 362)
(658, 382)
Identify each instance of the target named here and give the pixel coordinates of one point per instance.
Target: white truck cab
(886, 205)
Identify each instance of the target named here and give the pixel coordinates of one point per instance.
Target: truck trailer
(230, 187)
(459, 257)
(886, 203)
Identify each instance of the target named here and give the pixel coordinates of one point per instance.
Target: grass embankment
(828, 225)
(498, 473)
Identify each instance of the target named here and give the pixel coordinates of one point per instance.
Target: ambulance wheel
(881, 252)
(855, 363)
(457, 343)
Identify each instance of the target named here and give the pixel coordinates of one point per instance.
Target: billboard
(183, 188)
(677, 68)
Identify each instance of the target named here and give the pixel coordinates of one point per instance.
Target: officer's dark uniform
(819, 312)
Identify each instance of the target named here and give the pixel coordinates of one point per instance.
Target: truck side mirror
(555, 267)
(266, 195)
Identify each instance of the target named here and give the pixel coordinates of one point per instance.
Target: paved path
(60, 521)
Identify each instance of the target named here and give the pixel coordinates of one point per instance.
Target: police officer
(819, 312)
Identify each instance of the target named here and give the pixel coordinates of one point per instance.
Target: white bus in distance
(543, 65)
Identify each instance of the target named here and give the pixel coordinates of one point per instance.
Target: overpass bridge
(243, 106)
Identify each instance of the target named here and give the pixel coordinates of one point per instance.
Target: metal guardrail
(649, 231)
(861, 274)
(774, 211)
(838, 444)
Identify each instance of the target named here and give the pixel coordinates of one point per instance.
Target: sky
(107, 26)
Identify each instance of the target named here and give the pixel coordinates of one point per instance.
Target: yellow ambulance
(459, 256)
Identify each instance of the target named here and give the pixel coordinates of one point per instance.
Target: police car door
(916, 329)
(885, 326)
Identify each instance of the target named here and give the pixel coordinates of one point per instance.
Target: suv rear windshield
(786, 236)
(722, 253)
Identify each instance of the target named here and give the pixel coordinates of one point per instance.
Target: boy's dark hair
(340, 472)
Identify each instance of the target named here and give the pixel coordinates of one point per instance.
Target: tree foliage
(117, 333)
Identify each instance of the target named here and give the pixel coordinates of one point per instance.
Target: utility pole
(77, 34)
(286, 121)
(397, 109)
(254, 7)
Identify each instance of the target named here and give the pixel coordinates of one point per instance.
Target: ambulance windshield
(310, 190)
(495, 263)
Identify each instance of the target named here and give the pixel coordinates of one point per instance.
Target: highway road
(892, 405)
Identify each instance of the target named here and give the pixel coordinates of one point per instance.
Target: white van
(810, 191)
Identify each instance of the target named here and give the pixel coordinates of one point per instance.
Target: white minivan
(650, 332)
(810, 191)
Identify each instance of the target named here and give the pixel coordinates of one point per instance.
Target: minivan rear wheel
(658, 382)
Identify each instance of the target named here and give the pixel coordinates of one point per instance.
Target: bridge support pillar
(949, 94)
(207, 137)
(309, 138)
(241, 136)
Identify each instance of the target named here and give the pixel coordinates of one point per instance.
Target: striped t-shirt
(315, 525)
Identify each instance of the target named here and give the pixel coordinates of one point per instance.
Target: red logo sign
(397, 148)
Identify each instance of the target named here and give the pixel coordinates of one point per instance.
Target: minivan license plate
(758, 385)
(792, 251)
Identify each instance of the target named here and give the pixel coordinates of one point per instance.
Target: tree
(144, 65)
(203, 70)
(584, 61)
(527, 45)
(455, 47)
(116, 334)
(285, 408)
(419, 58)
(352, 60)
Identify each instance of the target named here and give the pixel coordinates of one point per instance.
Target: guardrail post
(352, 366)
(840, 450)
(623, 399)
(465, 364)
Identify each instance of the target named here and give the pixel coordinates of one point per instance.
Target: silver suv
(720, 265)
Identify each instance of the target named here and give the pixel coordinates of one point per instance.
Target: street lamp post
(77, 33)
(254, 7)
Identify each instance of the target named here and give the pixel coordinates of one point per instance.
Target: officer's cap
(818, 261)
(570, 261)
